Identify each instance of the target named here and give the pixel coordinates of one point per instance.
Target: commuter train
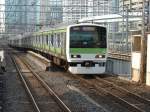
(80, 48)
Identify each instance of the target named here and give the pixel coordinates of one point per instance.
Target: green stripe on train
(47, 33)
(88, 50)
(58, 50)
(50, 32)
(59, 30)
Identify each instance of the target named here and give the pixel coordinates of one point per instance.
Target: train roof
(63, 26)
(16, 37)
(51, 29)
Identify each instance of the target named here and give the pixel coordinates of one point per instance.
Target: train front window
(87, 37)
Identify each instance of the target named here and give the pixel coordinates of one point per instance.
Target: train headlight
(75, 56)
(100, 56)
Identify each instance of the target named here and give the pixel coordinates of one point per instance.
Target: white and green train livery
(81, 48)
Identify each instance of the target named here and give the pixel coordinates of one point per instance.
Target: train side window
(46, 39)
(49, 39)
(41, 39)
(57, 36)
(58, 40)
(32, 40)
(62, 39)
(52, 40)
(42, 36)
(37, 39)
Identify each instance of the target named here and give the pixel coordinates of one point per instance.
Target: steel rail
(25, 85)
(119, 100)
(1, 93)
(51, 92)
(123, 89)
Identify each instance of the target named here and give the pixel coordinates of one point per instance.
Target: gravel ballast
(16, 99)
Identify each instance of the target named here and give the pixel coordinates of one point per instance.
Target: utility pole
(143, 48)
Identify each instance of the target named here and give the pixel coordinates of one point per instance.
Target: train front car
(87, 49)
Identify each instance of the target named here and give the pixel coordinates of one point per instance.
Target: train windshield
(87, 37)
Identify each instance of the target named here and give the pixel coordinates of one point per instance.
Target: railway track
(1, 92)
(125, 98)
(131, 101)
(134, 99)
(43, 98)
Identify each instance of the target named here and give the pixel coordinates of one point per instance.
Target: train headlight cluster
(100, 56)
(75, 56)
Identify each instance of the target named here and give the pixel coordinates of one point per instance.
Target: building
(12, 18)
(32, 15)
(21, 15)
(2, 16)
(51, 12)
(56, 11)
(101, 7)
(77, 9)
(121, 48)
(135, 8)
(43, 11)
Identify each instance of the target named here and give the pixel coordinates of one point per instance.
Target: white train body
(81, 48)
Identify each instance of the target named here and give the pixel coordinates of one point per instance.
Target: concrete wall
(136, 58)
(119, 67)
(148, 62)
